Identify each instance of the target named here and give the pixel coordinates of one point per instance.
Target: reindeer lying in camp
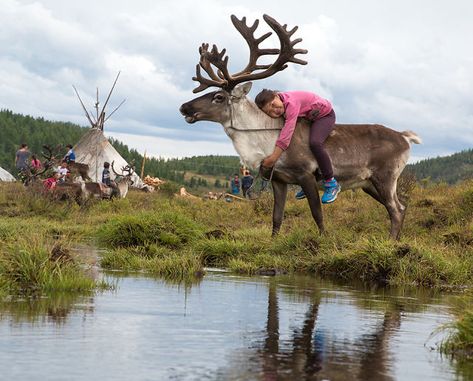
(366, 156)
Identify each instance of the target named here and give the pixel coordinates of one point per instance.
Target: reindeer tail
(411, 137)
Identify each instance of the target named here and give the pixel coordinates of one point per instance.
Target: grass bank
(175, 236)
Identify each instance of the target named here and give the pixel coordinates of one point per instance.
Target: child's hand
(312, 115)
(269, 161)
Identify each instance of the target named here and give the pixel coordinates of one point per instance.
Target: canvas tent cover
(5, 175)
(94, 149)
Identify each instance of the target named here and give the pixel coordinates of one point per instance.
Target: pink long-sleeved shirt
(299, 104)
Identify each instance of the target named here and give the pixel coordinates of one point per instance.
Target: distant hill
(206, 172)
(197, 172)
(450, 169)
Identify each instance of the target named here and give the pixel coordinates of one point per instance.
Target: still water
(227, 327)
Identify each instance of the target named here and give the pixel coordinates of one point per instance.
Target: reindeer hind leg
(384, 191)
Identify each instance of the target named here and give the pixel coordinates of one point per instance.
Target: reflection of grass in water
(35, 265)
(56, 307)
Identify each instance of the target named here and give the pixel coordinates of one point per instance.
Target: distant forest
(450, 169)
(194, 172)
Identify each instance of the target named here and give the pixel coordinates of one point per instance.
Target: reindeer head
(216, 106)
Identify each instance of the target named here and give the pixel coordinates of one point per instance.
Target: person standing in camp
(70, 155)
(246, 184)
(35, 163)
(21, 158)
(235, 185)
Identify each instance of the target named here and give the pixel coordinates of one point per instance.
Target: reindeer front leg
(309, 185)
(280, 192)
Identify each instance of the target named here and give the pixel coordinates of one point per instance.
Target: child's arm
(292, 111)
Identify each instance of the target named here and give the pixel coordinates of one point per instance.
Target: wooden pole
(143, 165)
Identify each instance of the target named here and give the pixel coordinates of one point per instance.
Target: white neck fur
(252, 147)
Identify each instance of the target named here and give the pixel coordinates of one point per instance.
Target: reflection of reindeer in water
(309, 355)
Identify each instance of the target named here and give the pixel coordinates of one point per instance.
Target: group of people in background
(245, 184)
(25, 161)
(62, 172)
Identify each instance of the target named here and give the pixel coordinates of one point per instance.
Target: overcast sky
(404, 64)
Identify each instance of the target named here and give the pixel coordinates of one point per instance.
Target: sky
(405, 64)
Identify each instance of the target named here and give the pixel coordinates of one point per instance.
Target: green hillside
(197, 172)
(449, 169)
(206, 172)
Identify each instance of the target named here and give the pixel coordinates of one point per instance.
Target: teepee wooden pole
(82, 104)
(143, 165)
(108, 98)
(109, 115)
(97, 104)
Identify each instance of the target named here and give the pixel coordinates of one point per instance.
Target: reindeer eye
(218, 98)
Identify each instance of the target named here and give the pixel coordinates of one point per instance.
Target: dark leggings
(319, 131)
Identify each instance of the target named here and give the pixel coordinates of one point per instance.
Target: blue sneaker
(300, 195)
(332, 189)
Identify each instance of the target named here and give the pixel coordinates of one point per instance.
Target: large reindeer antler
(129, 168)
(223, 79)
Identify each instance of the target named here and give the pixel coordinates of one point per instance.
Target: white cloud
(169, 148)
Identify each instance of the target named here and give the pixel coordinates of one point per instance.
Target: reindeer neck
(253, 133)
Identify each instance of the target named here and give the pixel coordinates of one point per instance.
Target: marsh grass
(434, 251)
(38, 266)
(458, 340)
(167, 264)
(168, 228)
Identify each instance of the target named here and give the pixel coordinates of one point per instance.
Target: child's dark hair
(264, 97)
(69, 146)
(24, 145)
(106, 164)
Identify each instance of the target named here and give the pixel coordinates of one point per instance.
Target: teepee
(94, 148)
(5, 175)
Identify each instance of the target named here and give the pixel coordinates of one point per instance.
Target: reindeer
(30, 175)
(366, 156)
(79, 169)
(119, 189)
(52, 160)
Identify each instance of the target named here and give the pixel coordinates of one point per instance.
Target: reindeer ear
(242, 90)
